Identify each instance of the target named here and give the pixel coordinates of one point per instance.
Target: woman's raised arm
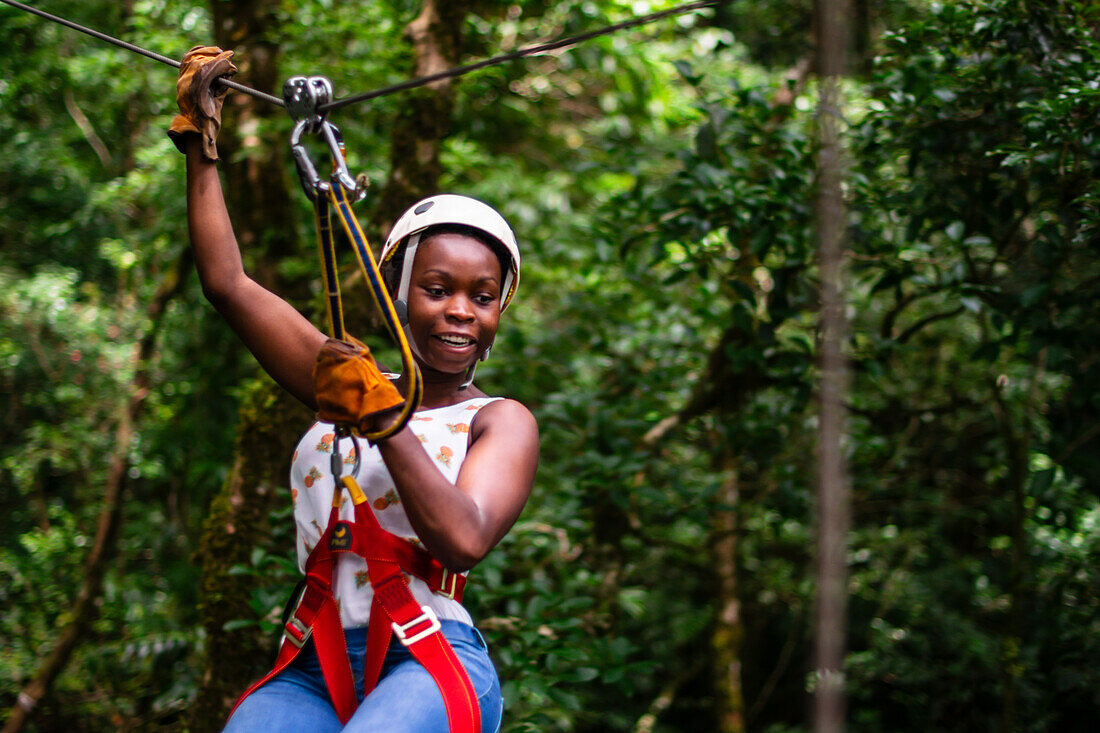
(281, 338)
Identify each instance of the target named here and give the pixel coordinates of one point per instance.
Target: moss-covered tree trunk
(728, 631)
(723, 392)
(270, 422)
(425, 118)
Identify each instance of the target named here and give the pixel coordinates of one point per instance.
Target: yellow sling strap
(303, 96)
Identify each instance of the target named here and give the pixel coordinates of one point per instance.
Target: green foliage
(976, 211)
(662, 183)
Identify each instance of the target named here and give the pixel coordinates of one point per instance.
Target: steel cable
(136, 49)
(529, 51)
(384, 91)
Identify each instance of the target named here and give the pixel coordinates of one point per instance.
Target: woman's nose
(458, 307)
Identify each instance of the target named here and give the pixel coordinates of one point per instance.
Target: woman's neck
(441, 390)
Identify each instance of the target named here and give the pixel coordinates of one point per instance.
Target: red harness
(394, 612)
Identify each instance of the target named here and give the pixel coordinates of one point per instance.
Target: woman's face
(454, 301)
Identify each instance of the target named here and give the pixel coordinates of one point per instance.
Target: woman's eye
(435, 292)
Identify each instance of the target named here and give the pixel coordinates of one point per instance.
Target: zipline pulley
(303, 96)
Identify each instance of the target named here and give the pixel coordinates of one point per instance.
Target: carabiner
(337, 460)
(312, 183)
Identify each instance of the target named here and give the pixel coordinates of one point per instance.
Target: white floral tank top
(444, 433)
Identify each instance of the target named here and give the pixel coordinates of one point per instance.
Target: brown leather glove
(348, 385)
(199, 98)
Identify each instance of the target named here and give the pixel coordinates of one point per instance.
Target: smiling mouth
(457, 341)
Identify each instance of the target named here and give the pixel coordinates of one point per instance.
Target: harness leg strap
(332, 650)
(316, 617)
(418, 629)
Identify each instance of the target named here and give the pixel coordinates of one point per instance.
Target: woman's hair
(391, 270)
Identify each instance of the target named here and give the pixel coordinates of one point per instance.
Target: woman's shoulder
(504, 414)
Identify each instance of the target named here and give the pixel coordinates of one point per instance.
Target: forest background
(666, 335)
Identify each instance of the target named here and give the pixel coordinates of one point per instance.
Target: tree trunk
(1017, 449)
(833, 500)
(425, 117)
(728, 629)
(85, 608)
(270, 422)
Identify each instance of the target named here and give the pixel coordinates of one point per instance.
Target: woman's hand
(349, 387)
(199, 99)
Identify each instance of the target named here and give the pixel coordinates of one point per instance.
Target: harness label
(341, 537)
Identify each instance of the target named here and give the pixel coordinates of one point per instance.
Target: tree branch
(647, 722)
(86, 128)
(912, 330)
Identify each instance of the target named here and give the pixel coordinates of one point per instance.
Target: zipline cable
(136, 49)
(529, 51)
(411, 83)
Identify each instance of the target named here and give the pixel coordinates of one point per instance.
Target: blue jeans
(406, 699)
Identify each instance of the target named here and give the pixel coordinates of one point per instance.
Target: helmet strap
(473, 368)
(406, 274)
(469, 378)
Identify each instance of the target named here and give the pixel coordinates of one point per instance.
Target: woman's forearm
(217, 256)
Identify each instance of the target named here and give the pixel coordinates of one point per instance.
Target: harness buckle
(427, 616)
(448, 584)
(296, 632)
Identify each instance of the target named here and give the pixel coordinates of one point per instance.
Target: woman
(453, 481)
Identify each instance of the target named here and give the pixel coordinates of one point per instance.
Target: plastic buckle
(448, 584)
(428, 616)
(296, 632)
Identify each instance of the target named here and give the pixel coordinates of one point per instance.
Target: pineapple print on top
(383, 502)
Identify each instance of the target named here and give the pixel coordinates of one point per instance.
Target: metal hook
(312, 183)
(337, 461)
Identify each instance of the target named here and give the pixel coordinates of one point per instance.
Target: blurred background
(661, 181)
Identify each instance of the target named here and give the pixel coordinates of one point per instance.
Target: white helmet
(450, 208)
